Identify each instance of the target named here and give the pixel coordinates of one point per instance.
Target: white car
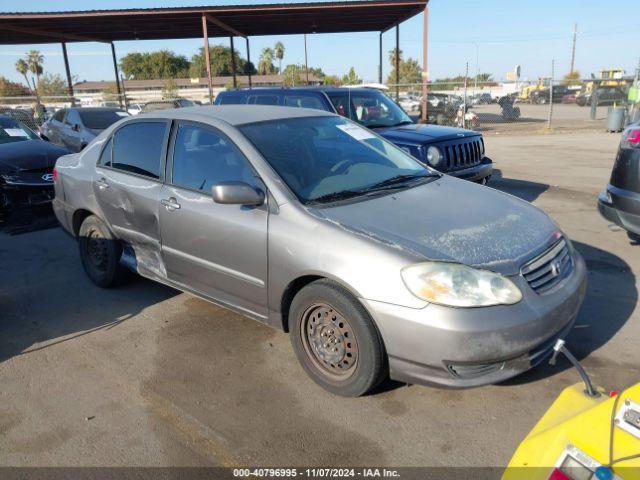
(134, 108)
(409, 104)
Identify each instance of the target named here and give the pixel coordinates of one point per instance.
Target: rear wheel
(100, 252)
(335, 340)
(634, 237)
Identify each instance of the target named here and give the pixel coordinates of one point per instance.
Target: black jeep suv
(454, 151)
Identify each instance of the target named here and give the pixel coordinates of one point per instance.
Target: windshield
(13, 131)
(369, 108)
(101, 119)
(327, 159)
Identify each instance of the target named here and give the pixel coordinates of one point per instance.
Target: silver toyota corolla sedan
(375, 265)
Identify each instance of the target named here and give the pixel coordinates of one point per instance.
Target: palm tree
(22, 68)
(265, 65)
(392, 56)
(35, 61)
(279, 51)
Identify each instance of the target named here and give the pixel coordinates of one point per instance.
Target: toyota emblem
(48, 177)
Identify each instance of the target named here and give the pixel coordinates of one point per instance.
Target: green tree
(351, 78)
(220, 62)
(278, 50)
(265, 64)
(12, 89)
(51, 85)
(331, 80)
(22, 67)
(571, 78)
(293, 75)
(170, 90)
(153, 65)
(35, 61)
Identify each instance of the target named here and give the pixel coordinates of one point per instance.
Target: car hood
(418, 134)
(451, 220)
(29, 155)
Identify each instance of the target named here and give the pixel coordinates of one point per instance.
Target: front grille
(548, 269)
(463, 153)
(473, 371)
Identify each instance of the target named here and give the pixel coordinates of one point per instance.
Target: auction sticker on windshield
(16, 132)
(356, 132)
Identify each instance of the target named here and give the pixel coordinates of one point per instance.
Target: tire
(100, 253)
(324, 311)
(634, 237)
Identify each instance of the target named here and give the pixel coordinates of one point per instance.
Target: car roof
(95, 109)
(259, 90)
(235, 114)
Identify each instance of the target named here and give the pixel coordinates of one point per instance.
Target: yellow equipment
(583, 437)
(543, 83)
(610, 77)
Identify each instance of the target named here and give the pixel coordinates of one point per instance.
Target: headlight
(457, 285)
(434, 156)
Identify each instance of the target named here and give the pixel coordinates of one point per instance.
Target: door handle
(170, 204)
(102, 184)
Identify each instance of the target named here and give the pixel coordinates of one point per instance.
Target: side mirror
(237, 193)
(76, 128)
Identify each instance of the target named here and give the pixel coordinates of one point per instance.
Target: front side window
(137, 148)
(369, 108)
(325, 159)
(72, 118)
(231, 100)
(203, 157)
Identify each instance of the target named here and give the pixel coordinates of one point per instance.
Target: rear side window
(263, 100)
(105, 156)
(303, 101)
(231, 100)
(137, 148)
(59, 115)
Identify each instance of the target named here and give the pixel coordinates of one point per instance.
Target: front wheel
(634, 237)
(100, 252)
(335, 340)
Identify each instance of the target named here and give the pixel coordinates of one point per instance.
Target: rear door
(217, 250)
(70, 134)
(127, 186)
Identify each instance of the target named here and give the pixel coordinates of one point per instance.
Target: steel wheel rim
(329, 341)
(96, 249)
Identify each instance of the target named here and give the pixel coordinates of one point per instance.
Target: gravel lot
(145, 375)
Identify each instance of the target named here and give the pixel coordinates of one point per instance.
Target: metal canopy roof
(179, 22)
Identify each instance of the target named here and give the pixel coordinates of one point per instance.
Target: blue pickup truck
(454, 151)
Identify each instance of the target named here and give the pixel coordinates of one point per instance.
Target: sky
(490, 35)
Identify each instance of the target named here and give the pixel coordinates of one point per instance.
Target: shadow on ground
(526, 190)
(46, 298)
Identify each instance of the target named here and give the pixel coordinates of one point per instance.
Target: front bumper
(15, 194)
(476, 173)
(467, 347)
(621, 207)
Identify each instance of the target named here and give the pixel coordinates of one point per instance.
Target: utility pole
(551, 94)
(306, 63)
(573, 48)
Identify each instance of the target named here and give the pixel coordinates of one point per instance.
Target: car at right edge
(619, 202)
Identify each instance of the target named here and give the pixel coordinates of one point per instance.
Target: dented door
(127, 189)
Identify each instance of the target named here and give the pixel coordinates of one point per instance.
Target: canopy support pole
(248, 61)
(425, 79)
(66, 67)
(397, 62)
(207, 59)
(115, 69)
(233, 63)
(306, 63)
(380, 59)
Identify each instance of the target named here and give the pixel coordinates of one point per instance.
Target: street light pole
(475, 83)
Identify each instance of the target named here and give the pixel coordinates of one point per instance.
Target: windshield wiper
(403, 122)
(336, 196)
(399, 180)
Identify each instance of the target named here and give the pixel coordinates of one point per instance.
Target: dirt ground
(143, 375)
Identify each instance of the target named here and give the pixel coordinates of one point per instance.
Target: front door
(216, 250)
(127, 187)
